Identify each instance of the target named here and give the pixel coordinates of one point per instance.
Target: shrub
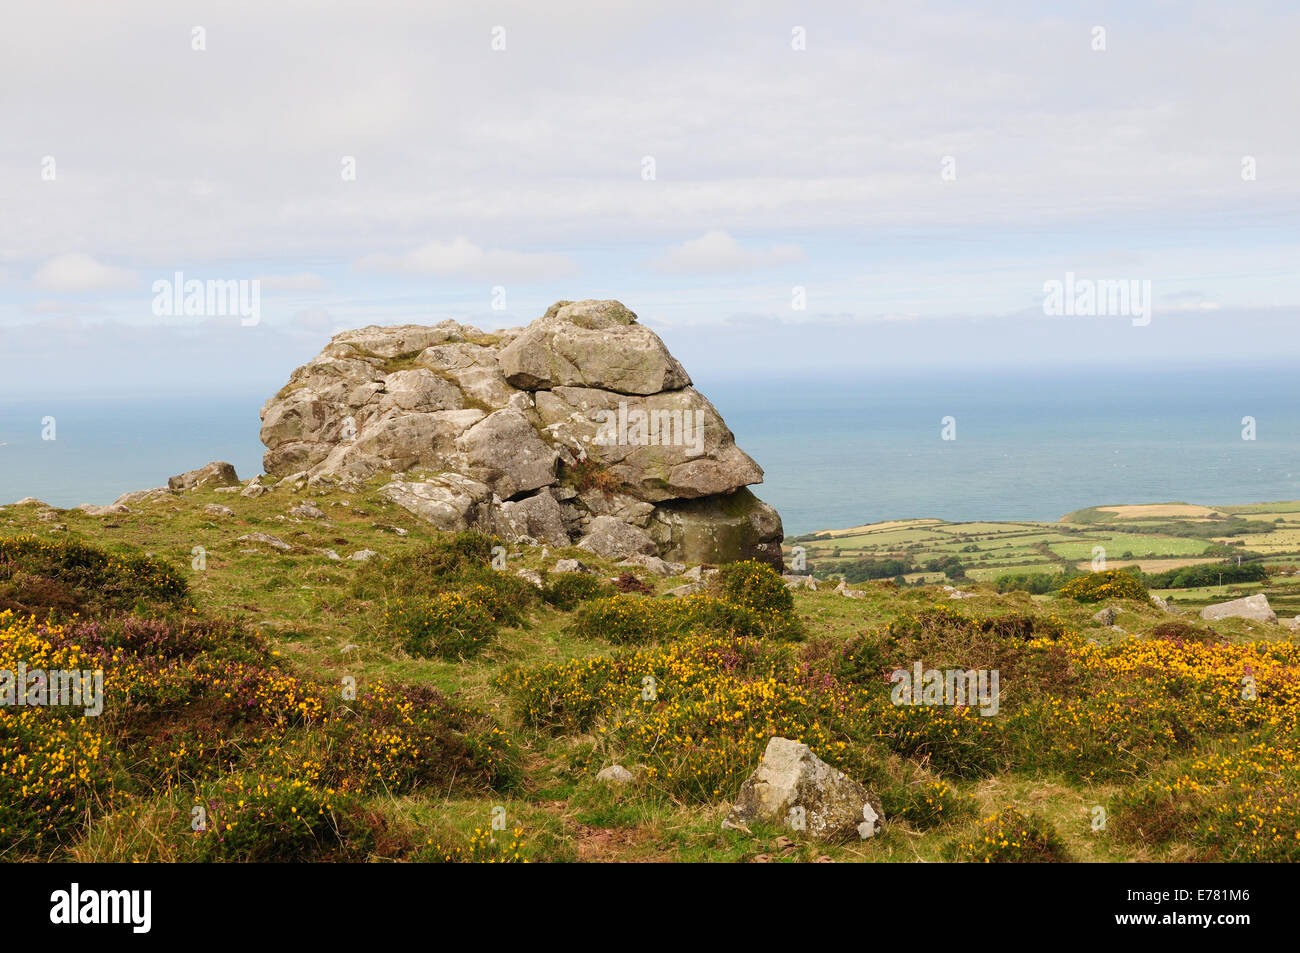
(256, 818)
(1239, 805)
(65, 576)
(1108, 584)
(754, 585)
(628, 619)
(566, 590)
(53, 762)
(448, 563)
(1182, 632)
(396, 740)
(622, 619)
(1009, 837)
(924, 801)
(448, 625)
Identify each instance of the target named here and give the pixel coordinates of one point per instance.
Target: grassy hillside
(229, 668)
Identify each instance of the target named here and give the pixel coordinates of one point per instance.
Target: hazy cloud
(78, 272)
(462, 258)
(718, 251)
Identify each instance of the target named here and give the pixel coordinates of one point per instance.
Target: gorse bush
(564, 591)
(445, 600)
(623, 619)
(1009, 837)
(1086, 711)
(63, 577)
(449, 625)
(1242, 804)
(754, 585)
(202, 704)
(397, 741)
(629, 619)
(255, 818)
(1108, 584)
(745, 598)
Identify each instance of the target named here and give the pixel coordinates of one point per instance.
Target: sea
(837, 451)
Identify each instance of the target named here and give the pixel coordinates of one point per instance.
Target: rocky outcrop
(578, 429)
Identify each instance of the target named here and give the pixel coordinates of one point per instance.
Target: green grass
(321, 623)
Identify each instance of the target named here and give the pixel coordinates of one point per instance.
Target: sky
(775, 190)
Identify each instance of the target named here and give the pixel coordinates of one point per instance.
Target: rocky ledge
(580, 428)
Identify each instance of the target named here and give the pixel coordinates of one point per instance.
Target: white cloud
(80, 273)
(462, 258)
(302, 281)
(718, 251)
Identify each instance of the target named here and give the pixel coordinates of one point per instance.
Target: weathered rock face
(795, 788)
(580, 428)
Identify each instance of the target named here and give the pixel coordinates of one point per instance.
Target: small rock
(799, 582)
(844, 590)
(531, 575)
(649, 563)
(1106, 616)
(30, 501)
(1160, 603)
(113, 509)
(363, 555)
(690, 589)
(254, 489)
(140, 496)
(1292, 624)
(216, 509)
(269, 540)
(569, 565)
(307, 511)
(329, 554)
(616, 774)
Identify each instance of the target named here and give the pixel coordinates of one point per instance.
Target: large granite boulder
(554, 432)
(1251, 607)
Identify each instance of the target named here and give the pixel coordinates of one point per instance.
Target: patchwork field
(1152, 537)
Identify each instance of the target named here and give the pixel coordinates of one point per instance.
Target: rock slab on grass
(1254, 607)
(266, 539)
(217, 473)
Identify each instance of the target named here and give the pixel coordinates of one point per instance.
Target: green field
(987, 550)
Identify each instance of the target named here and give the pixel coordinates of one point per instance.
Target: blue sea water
(836, 452)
